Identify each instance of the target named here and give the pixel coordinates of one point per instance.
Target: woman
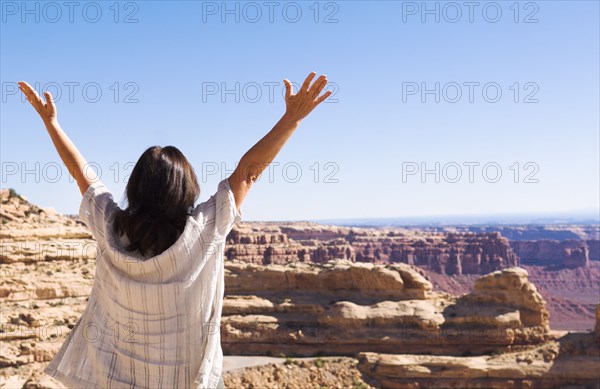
(152, 318)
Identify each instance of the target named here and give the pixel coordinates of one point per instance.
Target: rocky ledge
(340, 308)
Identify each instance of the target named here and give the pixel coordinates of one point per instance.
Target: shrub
(13, 193)
(319, 362)
(288, 361)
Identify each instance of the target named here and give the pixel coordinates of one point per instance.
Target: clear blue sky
(161, 80)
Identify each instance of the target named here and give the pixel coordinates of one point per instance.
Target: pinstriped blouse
(151, 323)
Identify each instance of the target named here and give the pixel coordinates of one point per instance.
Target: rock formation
(511, 288)
(448, 253)
(32, 234)
(578, 257)
(568, 253)
(570, 360)
(339, 307)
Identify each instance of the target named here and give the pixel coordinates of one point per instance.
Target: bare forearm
(72, 158)
(265, 150)
(298, 106)
(70, 155)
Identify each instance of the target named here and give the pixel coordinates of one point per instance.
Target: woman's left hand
(47, 110)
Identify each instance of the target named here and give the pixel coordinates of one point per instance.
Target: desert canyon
(389, 307)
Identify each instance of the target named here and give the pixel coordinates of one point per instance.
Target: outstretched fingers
(288, 88)
(46, 109)
(319, 85)
(306, 82)
(34, 99)
(316, 89)
(299, 105)
(49, 100)
(27, 89)
(322, 98)
(30, 93)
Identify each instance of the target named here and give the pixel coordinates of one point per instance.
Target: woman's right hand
(46, 110)
(299, 105)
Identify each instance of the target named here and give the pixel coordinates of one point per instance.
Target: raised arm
(298, 106)
(72, 158)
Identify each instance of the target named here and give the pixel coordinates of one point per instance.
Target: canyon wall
(568, 253)
(448, 253)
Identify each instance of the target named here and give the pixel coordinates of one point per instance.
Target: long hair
(161, 189)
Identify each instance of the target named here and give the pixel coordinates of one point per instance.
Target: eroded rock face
(336, 277)
(569, 361)
(447, 253)
(31, 234)
(339, 308)
(22, 221)
(569, 253)
(578, 257)
(305, 309)
(510, 288)
(503, 299)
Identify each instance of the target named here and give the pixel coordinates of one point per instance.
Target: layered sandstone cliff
(569, 360)
(447, 253)
(339, 307)
(570, 253)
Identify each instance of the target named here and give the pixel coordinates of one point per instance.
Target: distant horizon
(375, 223)
(583, 216)
(577, 216)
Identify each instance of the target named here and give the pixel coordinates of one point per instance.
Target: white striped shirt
(151, 323)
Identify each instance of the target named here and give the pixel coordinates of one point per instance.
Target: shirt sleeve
(226, 212)
(97, 205)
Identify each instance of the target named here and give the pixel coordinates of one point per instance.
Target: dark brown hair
(161, 189)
